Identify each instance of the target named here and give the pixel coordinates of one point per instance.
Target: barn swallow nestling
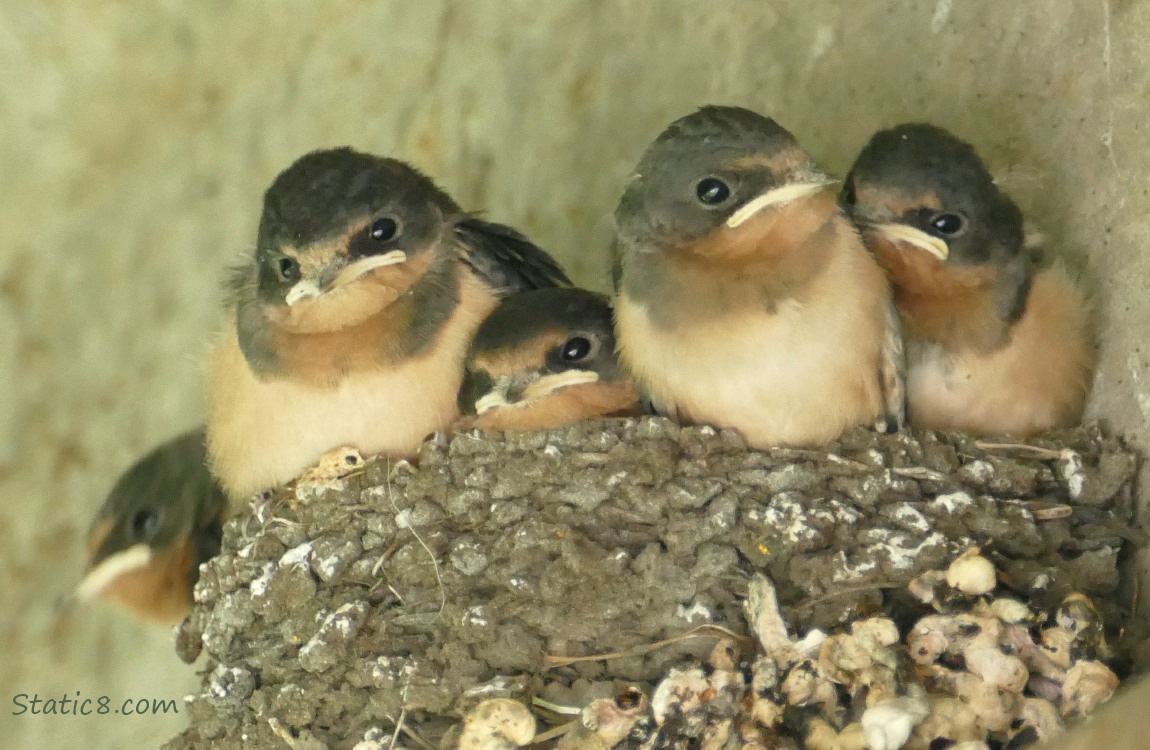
(745, 297)
(543, 359)
(161, 520)
(993, 345)
(353, 317)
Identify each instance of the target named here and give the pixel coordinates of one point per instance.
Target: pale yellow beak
(310, 288)
(363, 266)
(491, 400)
(911, 236)
(111, 568)
(550, 383)
(497, 399)
(779, 196)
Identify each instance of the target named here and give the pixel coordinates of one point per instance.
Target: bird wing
(892, 374)
(506, 259)
(616, 254)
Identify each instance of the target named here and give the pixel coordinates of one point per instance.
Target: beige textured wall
(135, 141)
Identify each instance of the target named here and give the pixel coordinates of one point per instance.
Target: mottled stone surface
(333, 607)
(137, 139)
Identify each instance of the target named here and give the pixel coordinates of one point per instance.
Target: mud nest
(409, 593)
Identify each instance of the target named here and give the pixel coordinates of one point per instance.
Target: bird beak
(551, 383)
(111, 568)
(779, 196)
(497, 398)
(911, 236)
(343, 275)
(363, 266)
(303, 289)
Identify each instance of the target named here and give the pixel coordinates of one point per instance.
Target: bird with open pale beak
(995, 345)
(746, 299)
(351, 321)
(544, 359)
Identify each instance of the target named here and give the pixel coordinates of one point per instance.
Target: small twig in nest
(398, 728)
(1036, 450)
(554, 732)
(918, 472)
(418, 538)
(849, 590)
(1044, 511)
(703, 631)
(387, 553)
(555, 708)
(301, 739)
(414, 736)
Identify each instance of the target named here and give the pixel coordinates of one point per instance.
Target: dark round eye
(947, 224)
(576, 348)
(711, 191)
(383, 230)
(144, 523)
(288, 269)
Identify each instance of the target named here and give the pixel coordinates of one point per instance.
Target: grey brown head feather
(662, 200)
(920, 184)
(576, 329)
(166, 497)
(336, 216)
(373, 207)
(706, 173)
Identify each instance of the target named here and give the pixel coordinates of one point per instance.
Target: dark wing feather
(616, 264)
(506, 259)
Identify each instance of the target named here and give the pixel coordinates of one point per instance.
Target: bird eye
(288, 269)
(576, 349)
(383, 230)
(947, 225)
(144, 523)
(711, 191)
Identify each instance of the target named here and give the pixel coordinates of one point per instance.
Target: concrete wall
(135, 141)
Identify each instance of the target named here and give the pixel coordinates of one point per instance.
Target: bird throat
(768, 260)
(953, 306)
(373, 322)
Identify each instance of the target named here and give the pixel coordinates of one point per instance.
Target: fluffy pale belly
(799, 376)
(1038, 381)
(990, 395)
(264, 433)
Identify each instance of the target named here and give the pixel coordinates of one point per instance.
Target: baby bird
(543, 359)
(994, 346)
(161, 520)
(746, 298)
(353, 317)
